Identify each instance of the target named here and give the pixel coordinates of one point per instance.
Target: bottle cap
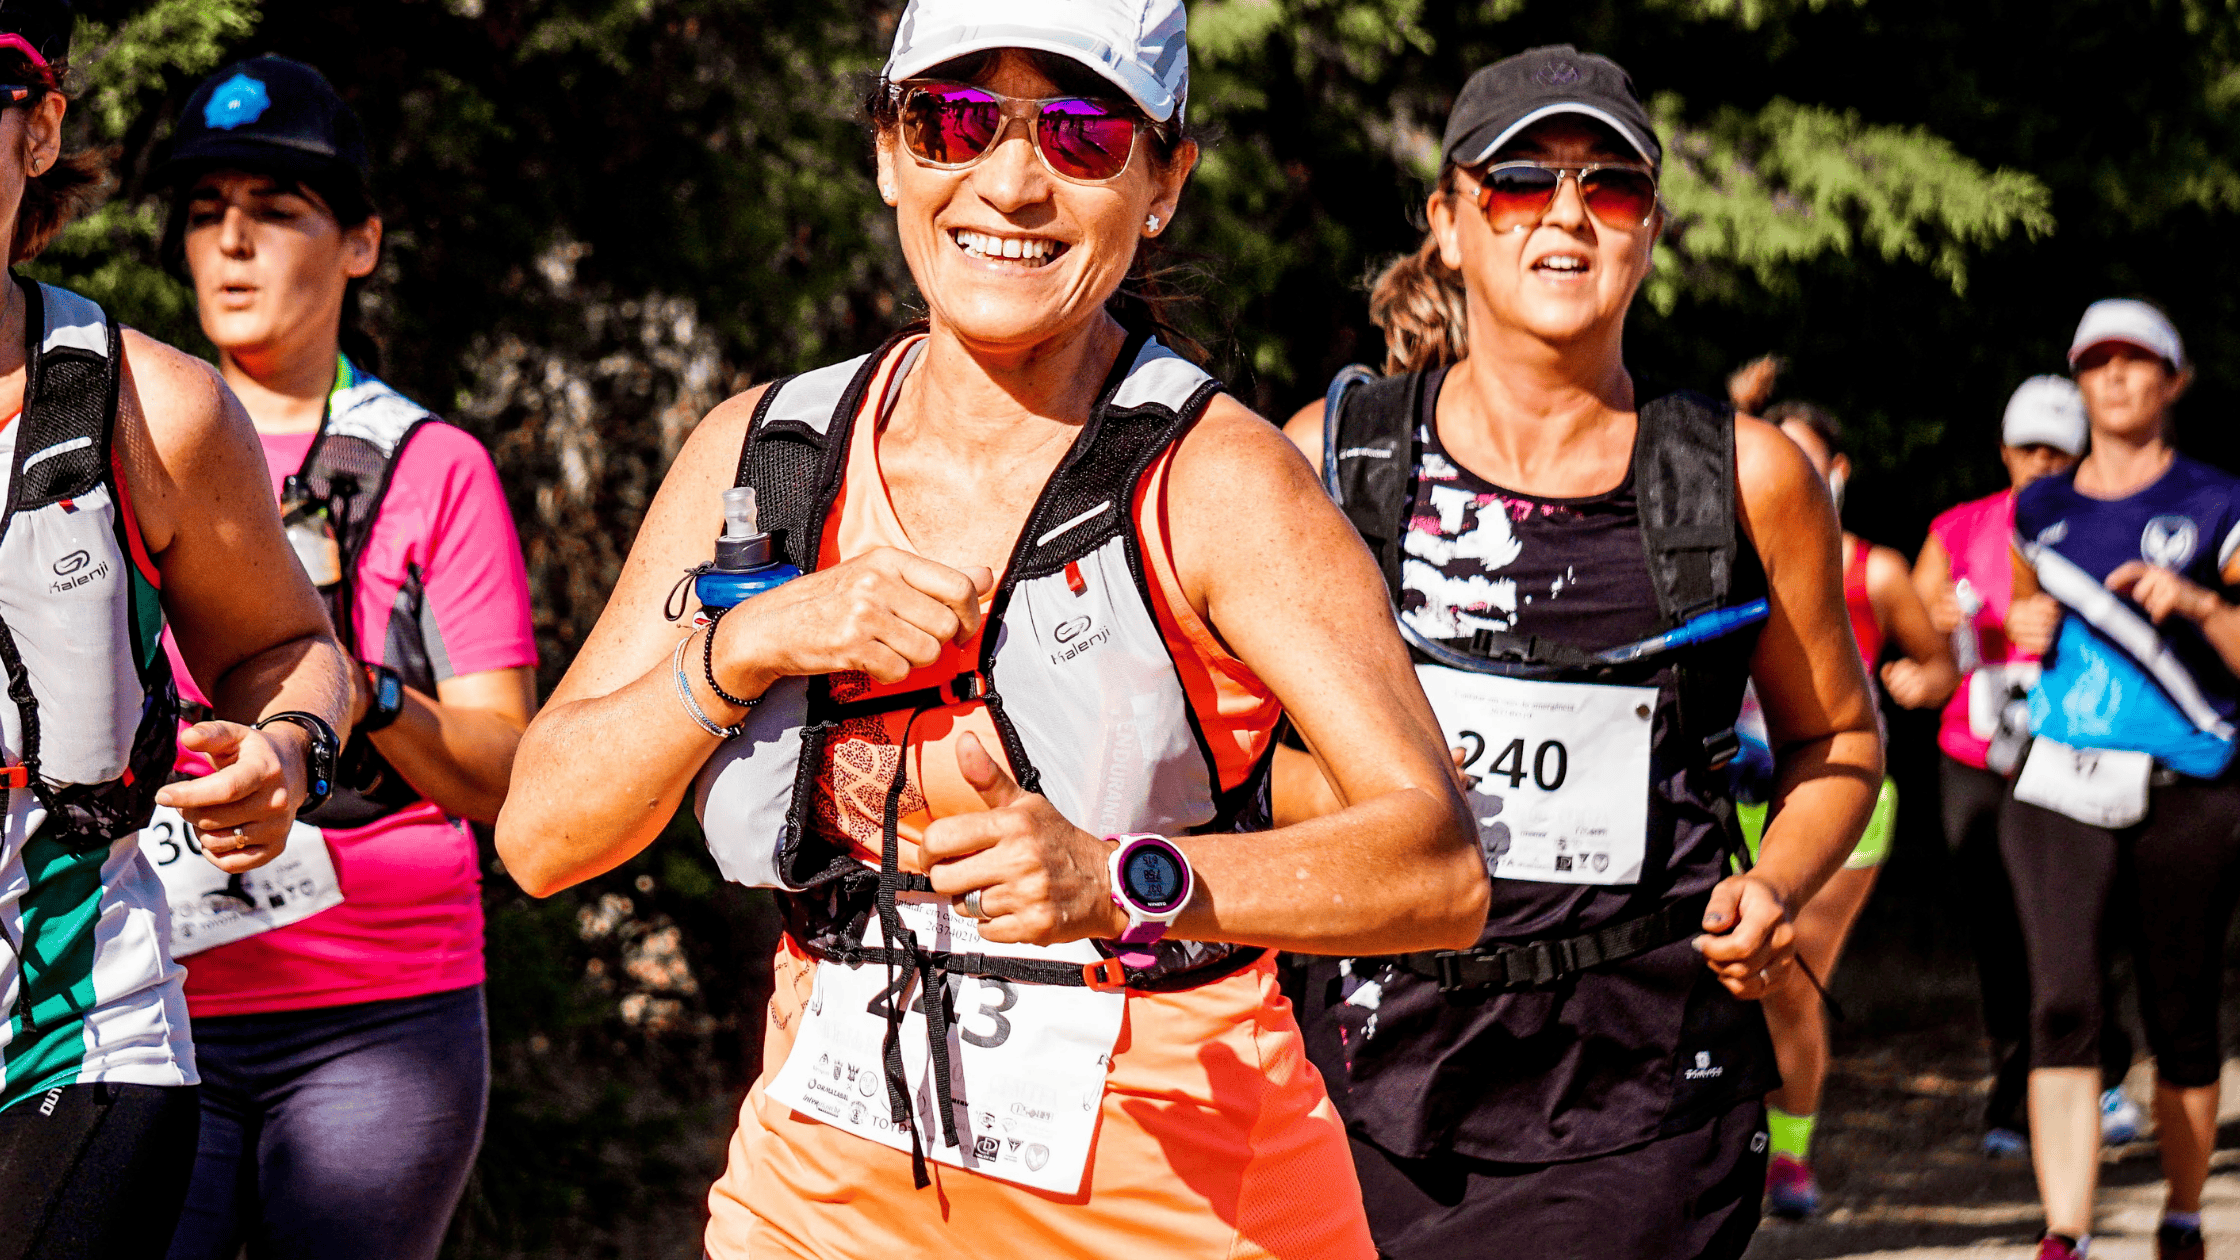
(742, 545)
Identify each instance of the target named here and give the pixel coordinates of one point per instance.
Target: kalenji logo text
(71, 572)
(1079, 638)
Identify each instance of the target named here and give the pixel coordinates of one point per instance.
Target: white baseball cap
(1141, 45)
(2132, 322)
(2046, 411)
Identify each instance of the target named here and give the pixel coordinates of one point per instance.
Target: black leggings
(2167, 886)
(95, 1172)
(1983, 899)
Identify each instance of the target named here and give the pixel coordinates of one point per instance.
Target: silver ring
(972, 908)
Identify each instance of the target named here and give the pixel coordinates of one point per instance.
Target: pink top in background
(411, 918)
(1979, 536)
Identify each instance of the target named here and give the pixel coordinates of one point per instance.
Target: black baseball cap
(1516, 92)
(39, 29)
(266, 114)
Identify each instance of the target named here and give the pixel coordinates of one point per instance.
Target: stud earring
(1151, 221)
(886, 193)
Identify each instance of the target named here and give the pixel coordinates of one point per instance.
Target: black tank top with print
(1615, 1056)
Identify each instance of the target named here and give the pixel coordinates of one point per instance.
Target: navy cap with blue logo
(266, 114)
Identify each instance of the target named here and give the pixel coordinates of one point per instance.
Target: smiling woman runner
(133, 496)
(2125, 819)
(339, 1012)
(1007, 740)
(1588, 578)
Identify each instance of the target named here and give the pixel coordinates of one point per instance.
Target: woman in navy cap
(341, 1029)
(128, 499)
(2127, 807)
(1588, 577)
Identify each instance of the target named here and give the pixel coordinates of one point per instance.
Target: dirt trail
(1902, 1179)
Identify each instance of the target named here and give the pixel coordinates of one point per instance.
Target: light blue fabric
(2093, 694)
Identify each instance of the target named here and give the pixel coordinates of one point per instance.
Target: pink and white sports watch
(1152, 881)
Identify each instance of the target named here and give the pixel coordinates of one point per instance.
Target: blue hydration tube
(1716, 624)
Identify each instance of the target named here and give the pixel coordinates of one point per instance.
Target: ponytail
(1421, 304)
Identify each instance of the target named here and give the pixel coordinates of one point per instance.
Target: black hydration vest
(1432, 1059)
(1075, 596)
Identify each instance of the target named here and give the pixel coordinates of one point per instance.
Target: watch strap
(318, 757)
(388, 698)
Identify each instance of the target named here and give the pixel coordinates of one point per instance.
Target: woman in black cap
(344, 1056)
(1564, 556)
(125, 465)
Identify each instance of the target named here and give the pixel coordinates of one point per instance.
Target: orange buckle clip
(1105, 976)
(18, 777)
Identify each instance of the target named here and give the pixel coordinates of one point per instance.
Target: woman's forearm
(595, 780)
(1824, 795)
(1395, 873)
(308, 674)
(459, 757)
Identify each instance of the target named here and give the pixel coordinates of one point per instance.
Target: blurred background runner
(1883, 609)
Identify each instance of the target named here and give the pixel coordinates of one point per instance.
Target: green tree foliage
(604, 216)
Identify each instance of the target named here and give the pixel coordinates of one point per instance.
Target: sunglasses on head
(1514, 195)
(951, 126)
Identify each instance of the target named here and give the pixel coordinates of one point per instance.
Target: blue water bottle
(746, 564)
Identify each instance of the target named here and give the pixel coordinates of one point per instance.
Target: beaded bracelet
(708, 662)
(692, 706)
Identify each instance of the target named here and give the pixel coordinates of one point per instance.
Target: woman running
(1879, 597)
(2126, 811)
(129, 500)
(1965, 576)
(1567, 564)
(1004, 746)
(340, 1024)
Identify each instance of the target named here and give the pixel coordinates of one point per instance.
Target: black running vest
(1583, 1058)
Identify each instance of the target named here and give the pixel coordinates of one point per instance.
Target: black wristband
(318, 756)
(708, 663)
(388, 699)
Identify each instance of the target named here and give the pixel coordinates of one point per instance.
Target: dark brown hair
(63, 191)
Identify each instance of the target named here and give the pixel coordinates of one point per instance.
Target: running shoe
(2006, 1143)
(2119, 1117)
(2172, 1242)
(1790, 1188)
(2052, 1248)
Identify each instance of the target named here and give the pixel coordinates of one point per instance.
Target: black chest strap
(1538, 964)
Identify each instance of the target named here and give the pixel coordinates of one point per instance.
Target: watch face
(1154, 878)
(392, 693)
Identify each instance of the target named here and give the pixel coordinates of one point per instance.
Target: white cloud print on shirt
(1456, 606)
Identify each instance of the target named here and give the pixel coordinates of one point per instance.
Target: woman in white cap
(1588, 577)
(1004, 747)
(1965, 574)
(2126, 811)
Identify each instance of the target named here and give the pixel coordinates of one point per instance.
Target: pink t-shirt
(410, 921)
(1979, 536)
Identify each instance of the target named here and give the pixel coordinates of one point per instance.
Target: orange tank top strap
(1864, 628)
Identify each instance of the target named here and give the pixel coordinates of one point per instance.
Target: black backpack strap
(1369, 457)
(1684, 479)
(797, 448)
(69, 398)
